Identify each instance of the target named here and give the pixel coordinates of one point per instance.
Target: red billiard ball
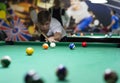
(61, 72)
(84, 44)
(110, 76)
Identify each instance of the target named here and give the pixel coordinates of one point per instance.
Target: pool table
(95, 37)
(84, 64)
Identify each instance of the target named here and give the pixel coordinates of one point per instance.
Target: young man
(50, 27)
(114, 25)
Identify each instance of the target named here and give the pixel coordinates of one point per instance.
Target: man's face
(45, 27)
(111, 12)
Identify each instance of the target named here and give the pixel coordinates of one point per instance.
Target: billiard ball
(71, 45)
(32, 77)
(110, 35)
(110, 76)
(45, 46)
(61, 72)
(5, 61)
(29, 51)
(106, 35)
(52, 44)
(84, 44)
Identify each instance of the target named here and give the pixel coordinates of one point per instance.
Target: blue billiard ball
(71, 45)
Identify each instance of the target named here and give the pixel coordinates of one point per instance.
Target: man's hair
(43, 16)
(114, 12)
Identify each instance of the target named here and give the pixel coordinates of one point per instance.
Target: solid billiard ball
(29, 51)
(5, 61)
(84, 44)
(110, 76)
(61, 72)
(45, 46)
(32, 77)
(71, 45)
(52, 44)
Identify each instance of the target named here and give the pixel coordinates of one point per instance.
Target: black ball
(110, 76)
(32, 77)
(61, 72)
(5, 61)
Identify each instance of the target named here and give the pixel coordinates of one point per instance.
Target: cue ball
(61, 72)
(110, 76)
(71, 45)
(52, 44)
(45, 46)
(32, 77)
(29, 51)
(5, 61)
(84, 44)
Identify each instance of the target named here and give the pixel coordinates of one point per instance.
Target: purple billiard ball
(61, 72)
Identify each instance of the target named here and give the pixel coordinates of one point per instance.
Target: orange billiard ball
(29, 51)
(84, 44)
(45, 46)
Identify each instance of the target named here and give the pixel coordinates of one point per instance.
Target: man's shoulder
(54, 20)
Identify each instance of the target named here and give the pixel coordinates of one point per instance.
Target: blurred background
(20, 9)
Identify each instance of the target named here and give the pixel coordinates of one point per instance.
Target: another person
(84, 24)
(51, 27)
(59, 12)
(114, 25)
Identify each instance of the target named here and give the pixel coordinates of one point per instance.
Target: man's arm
(56, 38)
(111, 24)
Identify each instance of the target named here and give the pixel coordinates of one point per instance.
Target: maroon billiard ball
(84, 44)
(61, 72)
(110, 76)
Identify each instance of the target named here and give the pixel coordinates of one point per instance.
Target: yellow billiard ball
(29, 51)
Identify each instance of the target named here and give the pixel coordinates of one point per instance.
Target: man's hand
(51, 39)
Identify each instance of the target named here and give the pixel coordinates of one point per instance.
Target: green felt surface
(85, 65)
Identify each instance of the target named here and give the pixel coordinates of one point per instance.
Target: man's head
(44, 18)
(113, 12)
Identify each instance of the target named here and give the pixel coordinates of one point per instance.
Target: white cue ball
(52, 44)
